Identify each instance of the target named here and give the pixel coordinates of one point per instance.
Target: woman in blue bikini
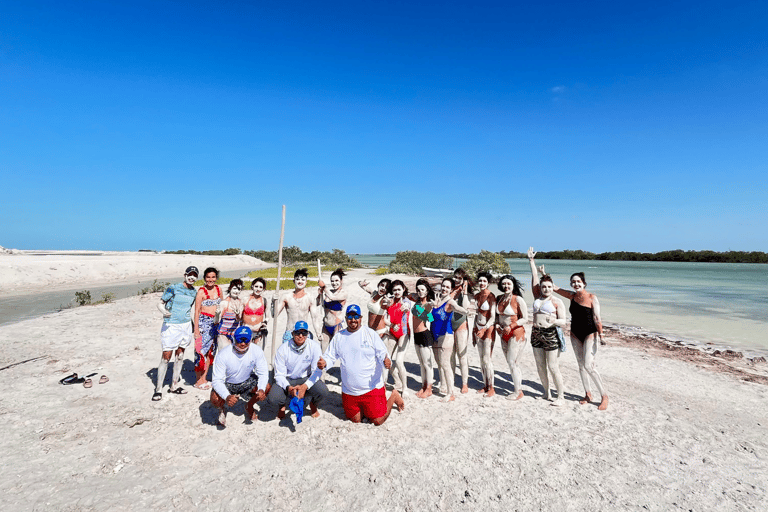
(333, 300)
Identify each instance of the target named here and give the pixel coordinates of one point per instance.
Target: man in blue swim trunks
(176, 332)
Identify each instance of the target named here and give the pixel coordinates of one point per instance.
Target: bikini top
(441, 325)
(333, 305)
(259, 311)
(508, 310)
(419, 311)
(485, 305)
(208, 300)
(544, 306)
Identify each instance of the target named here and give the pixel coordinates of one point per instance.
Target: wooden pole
(277, 289)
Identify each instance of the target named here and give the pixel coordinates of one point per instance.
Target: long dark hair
(397, 282)
(430, 291)
(517, 287)
(465, 277)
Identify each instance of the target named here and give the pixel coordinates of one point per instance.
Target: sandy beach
(684, 430)
(23, 272)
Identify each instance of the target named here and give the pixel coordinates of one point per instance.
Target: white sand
(29, 271)
(676, 436)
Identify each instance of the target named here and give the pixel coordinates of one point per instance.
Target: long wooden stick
(277, 288)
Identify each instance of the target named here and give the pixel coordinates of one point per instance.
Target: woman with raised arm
(229, 313)
(421, 312)
(462, 294)
(397, 317)
(442, 331)
(333, 300)
(511, 317)
(548, 314)
(586, 331)
(255, 310)
(207, 300)
(483, 332)
(377, 306)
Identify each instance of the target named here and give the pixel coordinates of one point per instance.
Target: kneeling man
(239, 371)
(295, 361)
(363, 358)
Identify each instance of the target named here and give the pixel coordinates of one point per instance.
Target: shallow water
(724, 304)
(14, 308)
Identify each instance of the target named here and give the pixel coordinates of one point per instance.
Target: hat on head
(301, 324)
(353, 308)
(192, 270)
(243, 334)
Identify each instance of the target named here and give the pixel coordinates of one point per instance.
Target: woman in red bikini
(483, 332)
(255, 311)
(396, 338)
(207, 300)
(511, 317)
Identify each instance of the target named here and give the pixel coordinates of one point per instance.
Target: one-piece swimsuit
(582, 320)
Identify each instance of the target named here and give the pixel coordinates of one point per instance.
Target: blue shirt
(179, 300)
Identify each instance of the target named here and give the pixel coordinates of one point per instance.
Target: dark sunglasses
(353, 316)
(301, 332)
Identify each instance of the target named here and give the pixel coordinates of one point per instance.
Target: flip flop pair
(89, 383)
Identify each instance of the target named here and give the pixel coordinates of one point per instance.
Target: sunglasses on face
(353, 317)
(301, 332)
(242, 341)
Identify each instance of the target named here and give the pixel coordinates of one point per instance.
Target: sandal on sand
(178, 391)
(71, 379)
(88, 383)
(157, 397)
(104, 379)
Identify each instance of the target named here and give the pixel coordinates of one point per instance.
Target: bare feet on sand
(250, 413)
(587, 398)
(482, 390)
(490, 393)
(313, 410)
(603, 403)
(515, 397)
(222, 418)
(399, 403)
(464, 389)
(558, 403)
(449, 399)
(281, 413)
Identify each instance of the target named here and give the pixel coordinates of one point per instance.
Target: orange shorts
(372, 404)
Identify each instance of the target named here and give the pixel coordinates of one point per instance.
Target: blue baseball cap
(243, 334)
(353, 308)
(301, 324)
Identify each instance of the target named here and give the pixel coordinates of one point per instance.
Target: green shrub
(83, 297)
(154, 287)
(381, 271)
(108, 297)
(487, 261)
(410, 262)
(271, 273)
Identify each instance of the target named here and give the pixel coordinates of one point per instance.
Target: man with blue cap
(294, 363)
(239, 371)
(363, 358)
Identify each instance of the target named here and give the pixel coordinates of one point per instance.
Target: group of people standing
(230, 334)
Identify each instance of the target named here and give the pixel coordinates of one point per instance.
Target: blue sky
(443, 126)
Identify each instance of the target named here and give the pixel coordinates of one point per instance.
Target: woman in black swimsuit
(586, 330)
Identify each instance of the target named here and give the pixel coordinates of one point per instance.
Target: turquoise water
(724, 304)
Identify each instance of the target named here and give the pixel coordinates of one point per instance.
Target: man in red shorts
(363, 358)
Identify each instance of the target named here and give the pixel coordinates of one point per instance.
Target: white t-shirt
(361, 356)
(290, 364)
(233, 367)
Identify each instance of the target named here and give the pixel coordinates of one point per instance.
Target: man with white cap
(294, 363)
(239, 371)
(363, 358)
(176, 332)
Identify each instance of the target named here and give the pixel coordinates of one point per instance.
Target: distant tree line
(291, 256)
(676, 255)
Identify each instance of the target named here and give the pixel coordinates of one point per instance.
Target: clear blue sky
(444, 126)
